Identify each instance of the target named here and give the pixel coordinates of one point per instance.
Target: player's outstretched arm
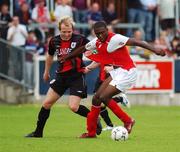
(144, 44)
(48, 63)
(73, 54)
(93, 65)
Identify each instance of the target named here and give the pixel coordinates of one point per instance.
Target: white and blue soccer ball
(119, 133)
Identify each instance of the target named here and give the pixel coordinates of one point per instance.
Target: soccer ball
(119, 133)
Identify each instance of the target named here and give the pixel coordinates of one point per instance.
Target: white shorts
(123, 79)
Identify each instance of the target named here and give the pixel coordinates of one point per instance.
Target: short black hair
(99, 24)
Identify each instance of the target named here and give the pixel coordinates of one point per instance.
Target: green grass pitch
(157, 129)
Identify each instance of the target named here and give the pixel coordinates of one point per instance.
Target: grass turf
(157, 129)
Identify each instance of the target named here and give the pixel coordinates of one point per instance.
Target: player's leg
(104, 113)
(56, 90)
(44, 113)
(74, 105)
(116, 109)
(121, 81)
(78, 91)
(95, 111)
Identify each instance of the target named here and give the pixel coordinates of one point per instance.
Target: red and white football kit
(114, 52)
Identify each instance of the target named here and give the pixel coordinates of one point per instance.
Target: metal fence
(16, 64)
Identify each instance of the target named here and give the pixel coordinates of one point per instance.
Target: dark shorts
(75, 82)
(97, 84)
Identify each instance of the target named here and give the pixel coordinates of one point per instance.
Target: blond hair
(67, 21)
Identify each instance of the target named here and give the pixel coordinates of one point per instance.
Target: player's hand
(46, 76)
(108, 68)
(86, 70)
(160, 52)
(62, 59)
(88, 53)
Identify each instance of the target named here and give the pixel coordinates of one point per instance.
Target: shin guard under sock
(104, 114)
(82, 111)
(118, 111)
(42, 118)
(92, 120)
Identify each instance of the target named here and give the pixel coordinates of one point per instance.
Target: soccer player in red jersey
(103, 74)
(110, 48)
(69, 75)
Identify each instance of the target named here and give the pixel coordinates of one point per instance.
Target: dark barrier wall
(177, 75)
(90, 78)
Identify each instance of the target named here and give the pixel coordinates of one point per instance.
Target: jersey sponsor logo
(73, 45)
(63, 51)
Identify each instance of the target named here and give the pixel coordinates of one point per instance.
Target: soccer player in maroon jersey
(110, 48)
(69, 75)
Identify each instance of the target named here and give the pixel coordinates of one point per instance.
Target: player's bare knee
(104, 99)
(73, 107)
(96, 101)
(47, 105)
(95, 97)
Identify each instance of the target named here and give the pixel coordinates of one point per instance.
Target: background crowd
(17, 27)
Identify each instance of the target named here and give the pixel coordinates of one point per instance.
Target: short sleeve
(91, 45)
(51, 48)
(116, 42)
(85, 41)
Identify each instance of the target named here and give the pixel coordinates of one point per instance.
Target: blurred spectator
(166, 12)
(40, 13)
(163, 41)
(5, 19)
(92, 35)
(136, 50)
(33, 47)
(80, 8)
(17, 33)
(31, 41)
(24, 14)
(110, 28)
(2, 2)
(175, 45)
(94, 14)
(34, 44)
(62, 9)
(17, 4)
(4, 14)
(30, 48)
(134, 14)
(149, 6)
(110, 15)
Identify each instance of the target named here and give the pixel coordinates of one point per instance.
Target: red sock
(92, 120)
(118, 111)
